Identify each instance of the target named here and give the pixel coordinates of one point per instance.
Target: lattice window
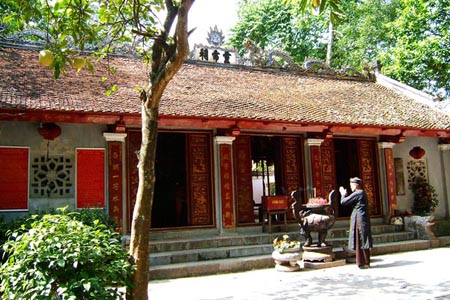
(416, 168)
(51, 177)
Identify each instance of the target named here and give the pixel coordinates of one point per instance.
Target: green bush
(90, 215)
(59, 257)
(86, 215)
(425, 197)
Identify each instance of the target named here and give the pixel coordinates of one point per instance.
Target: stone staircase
(176, 257)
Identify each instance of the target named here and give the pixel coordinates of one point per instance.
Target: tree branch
(178, 52)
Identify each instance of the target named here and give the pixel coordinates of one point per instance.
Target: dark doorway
(347, 166)
(170, 200)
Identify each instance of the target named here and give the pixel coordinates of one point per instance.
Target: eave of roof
(205, 93)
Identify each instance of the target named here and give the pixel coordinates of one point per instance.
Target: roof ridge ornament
(261, 58)
(215, 37)
(41, 38)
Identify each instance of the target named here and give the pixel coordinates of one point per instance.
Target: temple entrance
(169, 204)
(265, 166)
(357, 158)
(183, 187)
(347, 166)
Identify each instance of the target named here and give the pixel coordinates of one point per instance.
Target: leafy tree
(421, 54)
(71, 24)
(364, 32)
(289, 25)
(59, 257)
(334, 11)
(272, 24)
(410, 38)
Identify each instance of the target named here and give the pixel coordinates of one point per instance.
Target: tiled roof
(205, 90)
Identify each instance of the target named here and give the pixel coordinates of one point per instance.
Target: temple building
(230, 134)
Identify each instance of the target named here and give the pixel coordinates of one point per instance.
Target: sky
(207, 13)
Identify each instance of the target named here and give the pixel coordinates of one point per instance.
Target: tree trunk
(141, 223)
(330, 43)
(166, 61)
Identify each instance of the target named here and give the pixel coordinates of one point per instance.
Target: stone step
(179, 244)
(211, 267)
(197, 255)
(239, 264)
(243, 247)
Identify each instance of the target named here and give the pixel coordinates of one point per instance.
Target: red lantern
(49, 131)
(417, 152)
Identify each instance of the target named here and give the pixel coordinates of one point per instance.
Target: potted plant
(422, 223)
(286, 254)
(425, 197)
(285, 244)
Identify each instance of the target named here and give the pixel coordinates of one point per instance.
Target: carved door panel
(292, 167)
(199, 179)
(198, 170)
(368, 171)
(328, 167)
(133, 143)
(243, 175)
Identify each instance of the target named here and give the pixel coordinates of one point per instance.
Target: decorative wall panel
(14, 178)
(328, 167)
(52, 177)
(292, 167)
(133, 146)
(368, 170)
(199, 164)
(243, 171)
(90, 178)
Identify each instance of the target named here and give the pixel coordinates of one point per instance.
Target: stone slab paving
(418, 275)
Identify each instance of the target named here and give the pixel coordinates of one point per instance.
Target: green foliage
(89, 216)
(425, 197)
(272, 24)
(333, 7)
(410, 38)
(71, 25)
(421, 54)
(92, 216)
(363, 34)
(59, 257)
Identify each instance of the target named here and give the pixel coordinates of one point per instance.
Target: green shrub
(86, 215)
(90, 215)
(425, 197)
(59, 257)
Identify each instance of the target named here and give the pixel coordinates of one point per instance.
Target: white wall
(435, 174)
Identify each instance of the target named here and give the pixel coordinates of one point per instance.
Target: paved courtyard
(409, 275)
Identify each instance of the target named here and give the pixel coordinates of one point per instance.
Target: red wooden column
(388, 156)
(225, 169)
(315, 178)
(116, 177)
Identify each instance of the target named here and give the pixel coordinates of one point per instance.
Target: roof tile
(213, 91)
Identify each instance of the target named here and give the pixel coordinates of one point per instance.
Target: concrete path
(410, 275)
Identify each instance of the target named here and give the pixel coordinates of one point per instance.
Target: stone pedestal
(323, 254)
(287, 261)
(319, 258)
